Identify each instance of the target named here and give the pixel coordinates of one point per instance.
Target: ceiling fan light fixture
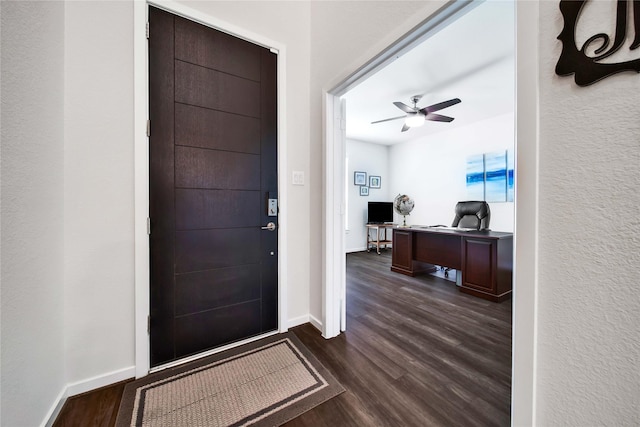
(415, 117)
(414, 120)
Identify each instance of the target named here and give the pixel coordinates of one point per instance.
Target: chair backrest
(472, 214)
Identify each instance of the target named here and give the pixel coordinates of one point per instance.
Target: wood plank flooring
(417, 352)
(95, 408)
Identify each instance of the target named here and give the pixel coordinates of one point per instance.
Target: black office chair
(472, 214)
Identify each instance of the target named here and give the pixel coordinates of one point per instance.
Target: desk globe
(403, 204)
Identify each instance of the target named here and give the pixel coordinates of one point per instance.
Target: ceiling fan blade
(438, 118)
(405, 107)
(440, 106)
(387, 120)
(405, 128)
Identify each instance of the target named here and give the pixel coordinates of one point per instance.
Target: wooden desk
(484, 259)
(377, 242)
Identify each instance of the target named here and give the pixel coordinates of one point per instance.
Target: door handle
(271, 226)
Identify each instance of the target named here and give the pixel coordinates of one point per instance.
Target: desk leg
(368, 231)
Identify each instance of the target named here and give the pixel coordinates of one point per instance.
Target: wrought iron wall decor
(588, 69)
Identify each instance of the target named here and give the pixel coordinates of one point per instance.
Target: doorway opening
(525, 206)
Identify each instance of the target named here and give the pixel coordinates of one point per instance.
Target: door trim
(525, 278)
(141, 167)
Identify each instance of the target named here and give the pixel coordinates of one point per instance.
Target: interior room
(465, 60)
(430, 164)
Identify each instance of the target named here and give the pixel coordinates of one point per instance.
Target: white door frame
(526, 197)
(141, 166)
(333, 248)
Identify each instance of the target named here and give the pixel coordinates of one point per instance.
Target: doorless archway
(525, 273)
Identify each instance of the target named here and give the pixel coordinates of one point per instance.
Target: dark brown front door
(213, 167)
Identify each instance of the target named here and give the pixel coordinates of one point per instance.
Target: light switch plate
(298, 178)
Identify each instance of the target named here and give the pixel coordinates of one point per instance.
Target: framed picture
(364, 191)
(374, 181)
(359, 178)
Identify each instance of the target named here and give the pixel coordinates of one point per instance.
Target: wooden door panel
(213, 165)
(269, 289)
(161, 159)
(205, 128)
(212, 289)
(199, 209)
(204, 87)
(216, 327)
(199, 168)
(269, 179)
(218, 248)
(212, 49)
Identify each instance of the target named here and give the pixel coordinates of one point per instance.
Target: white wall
(432, 170)
(98, 196)
(32, 310)
(588, 355)
(374, 160)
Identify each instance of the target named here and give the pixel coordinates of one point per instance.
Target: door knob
(271, 226)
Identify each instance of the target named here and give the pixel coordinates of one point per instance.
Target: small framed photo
(374, 181)
(359, 178)
(364, 190)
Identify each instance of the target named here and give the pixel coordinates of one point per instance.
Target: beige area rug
(265, 383)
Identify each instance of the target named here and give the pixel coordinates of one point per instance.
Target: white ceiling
(471, 59)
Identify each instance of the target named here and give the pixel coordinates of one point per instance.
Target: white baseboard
(298, 321)
(307, 318)
(361, 249)
(100, 381)
(84, 386)
(315, 322)
(55, 409)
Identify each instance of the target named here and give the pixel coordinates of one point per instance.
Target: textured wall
(99, 275)
(588, 367)
(32, 133)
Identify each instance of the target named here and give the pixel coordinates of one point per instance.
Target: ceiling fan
(416, 116)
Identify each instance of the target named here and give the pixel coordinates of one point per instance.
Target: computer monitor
(379, 212)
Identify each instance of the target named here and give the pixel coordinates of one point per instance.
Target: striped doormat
(265, 383)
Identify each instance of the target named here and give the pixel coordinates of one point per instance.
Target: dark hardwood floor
(95, 408)
(416, 353)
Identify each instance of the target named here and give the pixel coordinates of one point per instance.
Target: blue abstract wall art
(475, 177)
(495, 177)
(490, 177)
